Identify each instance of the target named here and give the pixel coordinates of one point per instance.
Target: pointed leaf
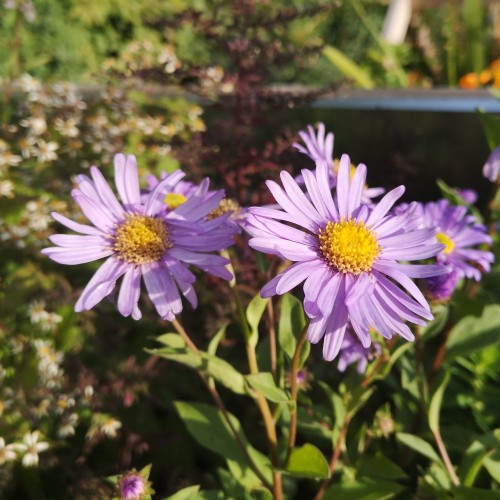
(186, 493)
(307, 461)
(254, 313)
(473, 333)
(291, 325)
(208, 426)
(363, 488)
(419, 445)
(436, 401)
(348, 67)
(264, 383)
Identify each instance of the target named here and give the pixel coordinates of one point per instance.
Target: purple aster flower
(132, 486)
(347, 254)
(183, 190)
(317, 147)
(320, 149)
(441, 288)
(352, 351)
(468, 195)
(491, 169)
(459, 232)
(141, 239)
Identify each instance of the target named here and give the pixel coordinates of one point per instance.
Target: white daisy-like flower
(37, 125)
(7, 453)
(37, 313)
(110, 427)
(6, 189)
(30, 448)
(46, 151)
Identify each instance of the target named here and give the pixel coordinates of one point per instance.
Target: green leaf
(208, 426)
(436, 401)
(254, 313)
(348, 67)
(491, 126)
(188, 493)
(464, 493)
(307, 461)
(493, 468)
(419, 445)
(380, 467)
(473, 333)
(441, 314)
(363, 488)
(204, 362)
(472, 462)
(291, 325)
(264, 383)
(215, 340)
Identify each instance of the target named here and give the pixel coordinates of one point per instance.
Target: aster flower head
(460, 233)
(347, 254)
(183, 190)
(134, 485)
(352, 351)
(491, 169)
(319, 147)
(140, 239)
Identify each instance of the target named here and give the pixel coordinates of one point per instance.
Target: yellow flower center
(349, 246)
(225, 205)
(446, 240)
(336, 167)
(174, 200)
(141, 239)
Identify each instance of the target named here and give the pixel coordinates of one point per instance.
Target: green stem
(334, 458)
(446, 458)
(294, 390)
(220, 404)
(265, 411)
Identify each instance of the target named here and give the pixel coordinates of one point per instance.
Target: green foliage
(307, 461)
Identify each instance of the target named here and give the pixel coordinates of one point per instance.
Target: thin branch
(446, 458)
(334, 458)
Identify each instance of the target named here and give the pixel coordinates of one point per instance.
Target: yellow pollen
(225, 205)
(348, 246)
(174, 200)
(446, 240)
(141, 239)
(336, 166)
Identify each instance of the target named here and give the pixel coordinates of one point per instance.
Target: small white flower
(36, 124)
(67, 127)
(7, 453)
(37, 312)
(50, 321)
(29, 84)
(7, 158)
(46, 151)
(110, 426)
(68, 426)
(30, 447)
(6, 189)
